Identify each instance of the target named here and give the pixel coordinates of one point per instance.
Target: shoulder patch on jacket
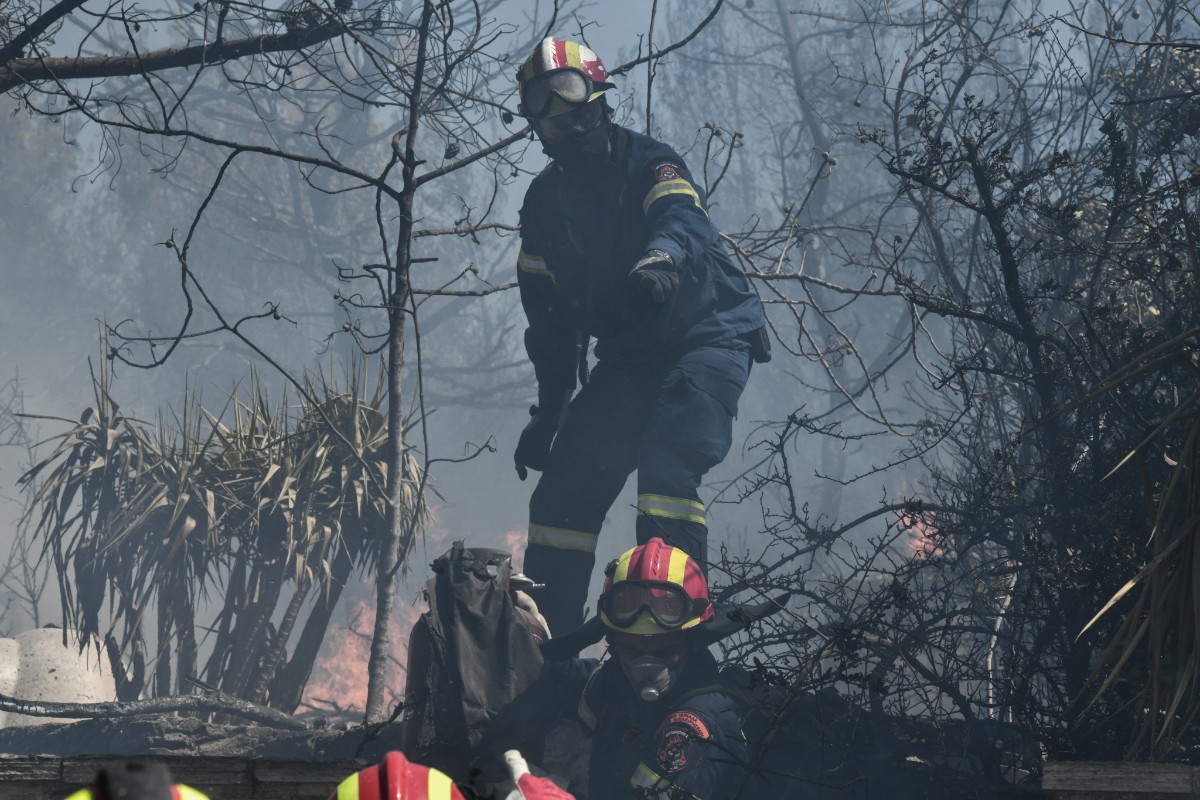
(667, 172)
(676, 740)
(669, 180)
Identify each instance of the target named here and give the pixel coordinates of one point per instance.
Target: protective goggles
(667, 603)
(570, 86)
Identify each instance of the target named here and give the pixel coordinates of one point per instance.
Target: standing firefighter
(616, 245)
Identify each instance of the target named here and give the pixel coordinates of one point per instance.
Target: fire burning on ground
(338, 686)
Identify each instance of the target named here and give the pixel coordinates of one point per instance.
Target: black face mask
(582, 151)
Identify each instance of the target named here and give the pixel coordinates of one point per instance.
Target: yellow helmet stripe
(675, 570)
(348, 789)
(439, 785)
(572, 54)
(622, 572)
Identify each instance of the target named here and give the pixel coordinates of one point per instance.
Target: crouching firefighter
(617, 246)
(663, 723)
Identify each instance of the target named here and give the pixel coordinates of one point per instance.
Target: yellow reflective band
(657, 505)
(677, 186)
(532, 263)
(439, 785)
(82, 794)
(645, 779)
(562, 538)
(188, 793)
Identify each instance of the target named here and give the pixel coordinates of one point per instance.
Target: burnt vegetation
(973, 224)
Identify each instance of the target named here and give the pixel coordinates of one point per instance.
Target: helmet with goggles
(559, 76)
(654, 589)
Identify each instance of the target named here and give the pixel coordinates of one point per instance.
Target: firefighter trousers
(672, 422)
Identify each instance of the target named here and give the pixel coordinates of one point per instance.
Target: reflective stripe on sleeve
(664, 188)
(532, 263)
(658, 505)
(647, 780)
(562, 538)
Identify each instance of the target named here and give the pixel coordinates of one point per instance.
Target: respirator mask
(651, 676)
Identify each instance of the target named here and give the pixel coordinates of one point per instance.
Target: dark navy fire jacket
(687, 744)
(582, 233)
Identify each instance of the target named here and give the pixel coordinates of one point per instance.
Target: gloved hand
(654, 278)
(533, 448)
(529, 786)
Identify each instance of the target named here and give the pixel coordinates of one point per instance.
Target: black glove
(654, 278)
(533, 448)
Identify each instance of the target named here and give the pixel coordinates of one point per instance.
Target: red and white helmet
(397, 778)
(558, 76)
(654, 589)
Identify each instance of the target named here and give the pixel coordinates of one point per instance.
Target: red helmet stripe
(369, 781)
(560, 54)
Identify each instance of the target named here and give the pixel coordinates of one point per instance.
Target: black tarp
(468, 656)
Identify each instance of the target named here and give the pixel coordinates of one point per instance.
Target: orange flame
(515, 540)
(339, 677)
(923, 540)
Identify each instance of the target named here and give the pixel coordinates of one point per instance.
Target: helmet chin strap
(582, 151)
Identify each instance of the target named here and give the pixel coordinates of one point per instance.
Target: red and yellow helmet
(558, 76)
(397, 778)
(654, 589)
(141, 778)
(178, 792)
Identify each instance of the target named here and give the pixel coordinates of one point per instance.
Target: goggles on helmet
(569, 85)
(667, 603)
(578, 120)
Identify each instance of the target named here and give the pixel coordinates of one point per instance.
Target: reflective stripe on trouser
(679, 521)
(672, 424)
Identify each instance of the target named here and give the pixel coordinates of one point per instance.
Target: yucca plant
(245, 512)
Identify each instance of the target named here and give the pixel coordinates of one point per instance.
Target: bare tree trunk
(287, 688)
(162, 666)
(279, 646)
(398, 531)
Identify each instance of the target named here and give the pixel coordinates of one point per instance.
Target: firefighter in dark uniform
(663, 723)
(617, 246)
